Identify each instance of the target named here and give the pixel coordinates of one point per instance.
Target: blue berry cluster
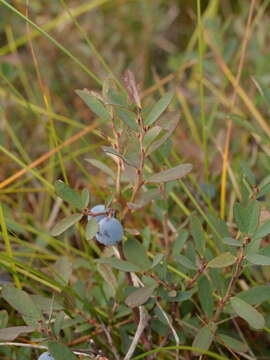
(46, 356)
(110, 229)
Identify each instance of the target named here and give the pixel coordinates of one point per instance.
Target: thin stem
(233, 280)
(230, 124)
(201, 74)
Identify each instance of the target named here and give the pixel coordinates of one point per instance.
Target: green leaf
(119, 264)
(65, 223)
(248, 313)
(3, 319)
(172, 174)
(255, 295)
(205, 296)
(140, 296)
(223, 260)
(22, 302)
(101, 166)
(204, 337)
(91, 228)
(247, 217)
(172, 120)
(11, 333)
(258, 259)
(158, 109)
(128, 117)
(262, 231)
(94, 104)
(112, 152)
(232, 343)
(60, 351)
(69, 195)
(150, 135)
(197, 234)
(135, 253)
(157, 259)
(179, 242)
(231, 242)
(108, 275)
(85, 197)
(183, 260)
(63, 270)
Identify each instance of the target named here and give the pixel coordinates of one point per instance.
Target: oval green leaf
(223, 260)
(248, 313)
(69, 195)
(85, 197)
(158, 109)
(172, 174)
(204, 337)
(91, 228)
(22, 302)
(231, 242)
(65, 223)
(60, 351)
(119, 264)
(140, 296)
(136, 254)
(258, 259)
(94, 104)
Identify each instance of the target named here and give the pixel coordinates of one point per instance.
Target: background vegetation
(213, 57)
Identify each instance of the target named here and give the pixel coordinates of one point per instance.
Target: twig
(144, 318)
(233, 280)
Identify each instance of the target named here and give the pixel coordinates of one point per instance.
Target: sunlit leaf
(231, 242)
(85, 197)
(172, 174)
(158, 109)
(223, 260)
(65, 223)
(94, 104)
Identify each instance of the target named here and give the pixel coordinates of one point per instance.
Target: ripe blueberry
(208, 190)
(110, 231)
(46, 356)
(98, 209)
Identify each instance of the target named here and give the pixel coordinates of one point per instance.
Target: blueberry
(46, 356)
(208, 190)
(98, 209)
(110, 231)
